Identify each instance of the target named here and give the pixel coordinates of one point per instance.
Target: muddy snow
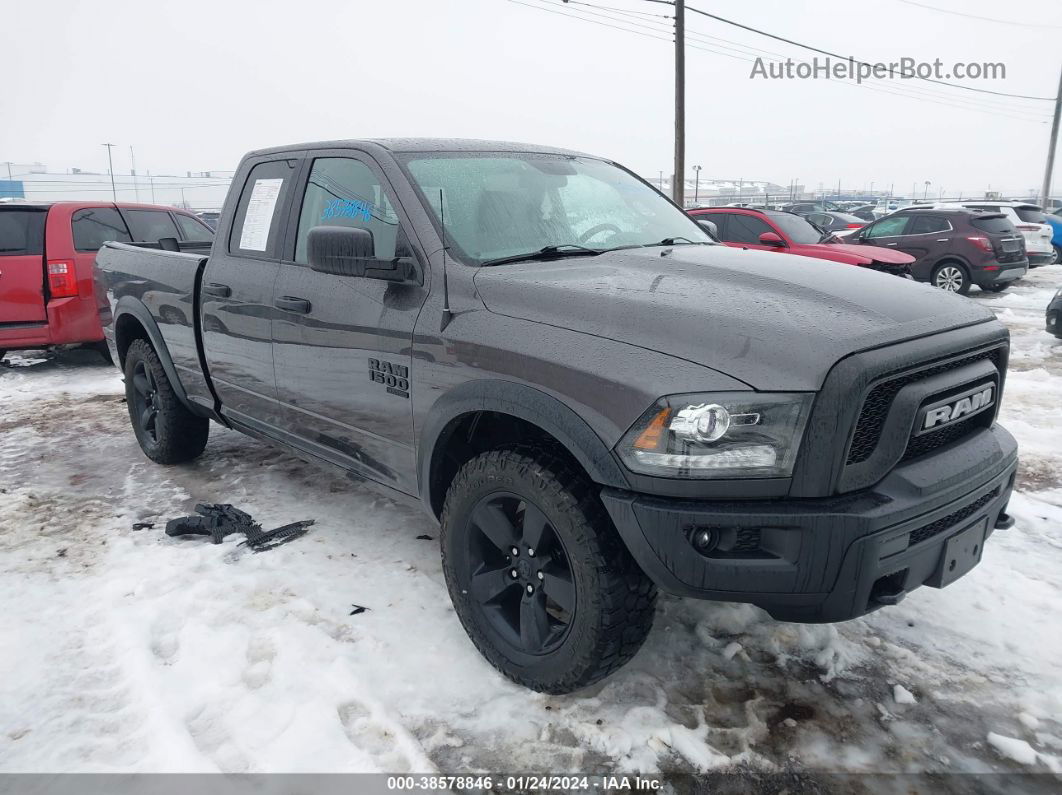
(126, 650)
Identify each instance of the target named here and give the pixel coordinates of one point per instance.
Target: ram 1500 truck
(592, 399)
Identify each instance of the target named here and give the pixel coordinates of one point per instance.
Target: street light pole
(696, 185)
(132, 161)
(110, 166)
(678, 190)
(1046, 191)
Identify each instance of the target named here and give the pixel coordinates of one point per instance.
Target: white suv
(1029, 220)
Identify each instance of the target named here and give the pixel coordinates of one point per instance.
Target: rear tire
(578, 607)
(167, 431)
(951, 277)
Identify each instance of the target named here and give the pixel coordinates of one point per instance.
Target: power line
(708, 43)
(983, 19)
(591, 21)
(626, 11)
(854, 60)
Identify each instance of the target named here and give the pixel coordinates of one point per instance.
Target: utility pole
(151, 180)
(678, 189)
(1051, 148)
(132, 161)
(696, 184)
(8, 164)
(110, 166)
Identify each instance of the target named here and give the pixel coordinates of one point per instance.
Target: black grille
(877, 403)
(952, 519)
(934, 440)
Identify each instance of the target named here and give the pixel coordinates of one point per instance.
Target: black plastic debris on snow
(218, 520)
(359, 609)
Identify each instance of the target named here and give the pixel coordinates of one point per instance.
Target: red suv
(46, 255)
(774, 230)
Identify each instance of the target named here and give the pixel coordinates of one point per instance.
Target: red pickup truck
(774, 230)
(46, 254)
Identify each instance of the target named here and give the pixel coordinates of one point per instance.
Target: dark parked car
(953, 248)
(835, 222)
(803, 208)
(1054, 315)
(546, 354)
(864, 213)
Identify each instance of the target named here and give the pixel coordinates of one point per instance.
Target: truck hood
(773, 322)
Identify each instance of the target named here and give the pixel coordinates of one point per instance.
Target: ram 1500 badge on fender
(592, 399)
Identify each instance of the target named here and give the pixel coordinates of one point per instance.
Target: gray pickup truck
(593, 399)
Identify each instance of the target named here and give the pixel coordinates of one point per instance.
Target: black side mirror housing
(350, 251)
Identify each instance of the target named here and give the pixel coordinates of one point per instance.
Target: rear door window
(21, 231)
(745, 229)
(256, 229)
(94, 226)
(192, 230)
(150, 226)
(927, 224)
(719, 219)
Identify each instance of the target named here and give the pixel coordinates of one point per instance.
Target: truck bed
(165, 284)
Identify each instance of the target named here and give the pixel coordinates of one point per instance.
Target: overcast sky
(193, 85)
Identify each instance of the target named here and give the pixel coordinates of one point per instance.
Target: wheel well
(126, 329)
(468, 435)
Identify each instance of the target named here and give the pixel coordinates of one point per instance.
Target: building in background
(193, 190)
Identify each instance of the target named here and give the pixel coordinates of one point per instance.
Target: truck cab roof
(422, 145)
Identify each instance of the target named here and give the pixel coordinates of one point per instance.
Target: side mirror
(771, 239)
(350, 251)
(709, 227)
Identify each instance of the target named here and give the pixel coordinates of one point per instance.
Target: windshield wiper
(549, 252)
(673, 241)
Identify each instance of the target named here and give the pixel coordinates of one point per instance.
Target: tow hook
(1004, 521)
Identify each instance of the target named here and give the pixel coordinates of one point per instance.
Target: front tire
(167, 431)
(539, 578)
(951, 277)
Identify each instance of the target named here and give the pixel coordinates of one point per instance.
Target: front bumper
(834, 558)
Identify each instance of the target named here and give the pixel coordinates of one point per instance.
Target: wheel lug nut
(515, 551)
(530, 589)
(541, 576)
(514, 573)
(530, 552)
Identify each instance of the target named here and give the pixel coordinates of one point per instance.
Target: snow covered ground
(125, 650)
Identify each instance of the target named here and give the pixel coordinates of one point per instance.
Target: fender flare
(127, 305)
(525, 403)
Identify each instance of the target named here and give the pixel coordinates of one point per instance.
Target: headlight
(731, 434)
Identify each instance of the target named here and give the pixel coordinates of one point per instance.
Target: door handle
(892, 244)
(220, 290)
(291, 304)
(942, 240)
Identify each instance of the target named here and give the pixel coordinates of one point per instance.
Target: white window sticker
(259, 217)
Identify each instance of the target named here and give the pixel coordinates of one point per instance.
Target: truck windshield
(501, 205)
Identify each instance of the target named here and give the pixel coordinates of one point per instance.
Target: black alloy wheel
(521, 578)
